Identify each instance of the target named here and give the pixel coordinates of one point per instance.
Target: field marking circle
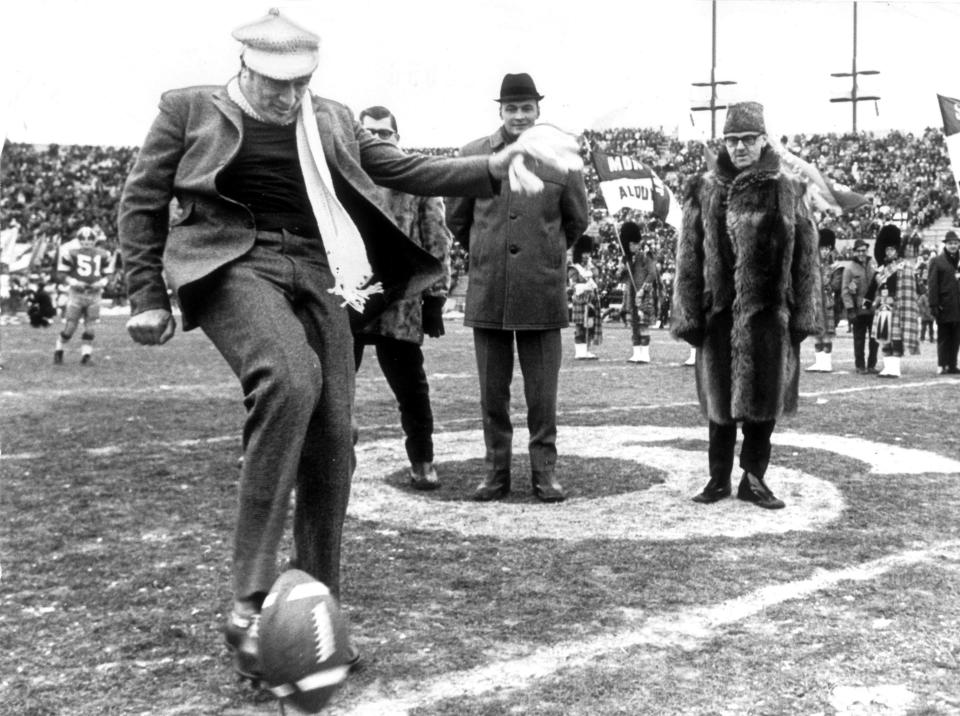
(662, 511)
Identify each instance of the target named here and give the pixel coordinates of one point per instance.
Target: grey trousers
(289, 342)
(539, 353)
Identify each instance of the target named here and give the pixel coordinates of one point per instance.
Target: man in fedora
(517, 294)
(943, 294)
(280, 230)
(745, 296)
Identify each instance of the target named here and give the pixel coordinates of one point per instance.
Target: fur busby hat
(629, 234)
(889, 235)
(828, 239)
(744, 118)
(583, 245)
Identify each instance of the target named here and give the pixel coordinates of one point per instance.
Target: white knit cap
(275, 47)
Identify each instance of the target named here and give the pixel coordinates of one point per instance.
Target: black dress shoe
(495, 486)
(546, 488)
(754, 489)
(242, 635)
(354, 660)
(423, 476)
(716, 489)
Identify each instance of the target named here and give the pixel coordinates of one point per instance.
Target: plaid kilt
(587, 306)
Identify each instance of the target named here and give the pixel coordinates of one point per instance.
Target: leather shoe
(494, 486)
(423, 476)
(754, 489)
(242, 635)
(716, 489)
(546, 488)
(354, 660)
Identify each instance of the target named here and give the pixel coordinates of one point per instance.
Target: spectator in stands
(584, 300)
(943, 294)
(272, 243)
(858, 277)
(397, 333)
(823, 348)
(896, 320)
(744, 297)
(517, 293)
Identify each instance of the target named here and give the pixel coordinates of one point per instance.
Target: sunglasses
(382, 133)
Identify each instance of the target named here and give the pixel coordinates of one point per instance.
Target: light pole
(713, 83)
(853, 74)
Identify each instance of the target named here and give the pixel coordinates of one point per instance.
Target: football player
(87, 268)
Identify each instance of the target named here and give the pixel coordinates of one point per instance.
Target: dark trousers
(862, 329)
(402, 366)
(539, 353)
(754, 453)
(289, 342)
(948, 343)
(925, 326)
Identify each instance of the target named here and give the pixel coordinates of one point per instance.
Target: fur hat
(828, 239)
(277, 48)
(951, 236)
(889, 235)
(515, 88)
(744, 118)
(583, 245)
(630, 233)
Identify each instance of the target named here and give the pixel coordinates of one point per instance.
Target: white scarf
(346, 253)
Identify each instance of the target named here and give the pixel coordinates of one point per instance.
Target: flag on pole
(628, 183)
(827, 195)
(950, 111)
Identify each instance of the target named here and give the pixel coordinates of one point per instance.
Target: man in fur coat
(745, 297)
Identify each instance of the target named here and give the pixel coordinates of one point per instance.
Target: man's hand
(153, 327)
(432, 313)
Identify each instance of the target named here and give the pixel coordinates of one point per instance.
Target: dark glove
(796, 337)
(851, 314)
(433, 315)
(693, 336)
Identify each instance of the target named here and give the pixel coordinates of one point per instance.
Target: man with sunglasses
(745, 296)
(397, 333)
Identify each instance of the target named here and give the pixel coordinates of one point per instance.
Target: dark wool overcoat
(746, 288)
(518, 248)
(943, 289)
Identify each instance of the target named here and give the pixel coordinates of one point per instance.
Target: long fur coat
(746, 288)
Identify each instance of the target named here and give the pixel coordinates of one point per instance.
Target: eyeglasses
(748, 140)
(382, 133)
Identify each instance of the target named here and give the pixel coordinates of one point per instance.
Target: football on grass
(303, 642)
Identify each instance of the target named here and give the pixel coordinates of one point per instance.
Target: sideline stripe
(682, 630)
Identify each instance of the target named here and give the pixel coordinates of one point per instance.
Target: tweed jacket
(518, 248)
(746, 288)
(422, 219)
(943, 289)
(197, 133)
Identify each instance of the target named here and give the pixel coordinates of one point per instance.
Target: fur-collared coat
(746, 288)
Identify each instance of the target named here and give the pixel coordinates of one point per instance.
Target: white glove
(548, 145)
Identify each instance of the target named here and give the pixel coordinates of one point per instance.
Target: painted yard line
(190, 388)
(681, 630)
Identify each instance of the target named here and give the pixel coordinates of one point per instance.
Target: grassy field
(118, 491)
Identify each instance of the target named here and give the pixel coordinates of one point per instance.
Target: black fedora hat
(518, 87)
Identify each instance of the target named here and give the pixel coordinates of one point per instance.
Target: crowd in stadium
(52, 191)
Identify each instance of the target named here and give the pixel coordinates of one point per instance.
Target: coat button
(513, 217)
(514, 249)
